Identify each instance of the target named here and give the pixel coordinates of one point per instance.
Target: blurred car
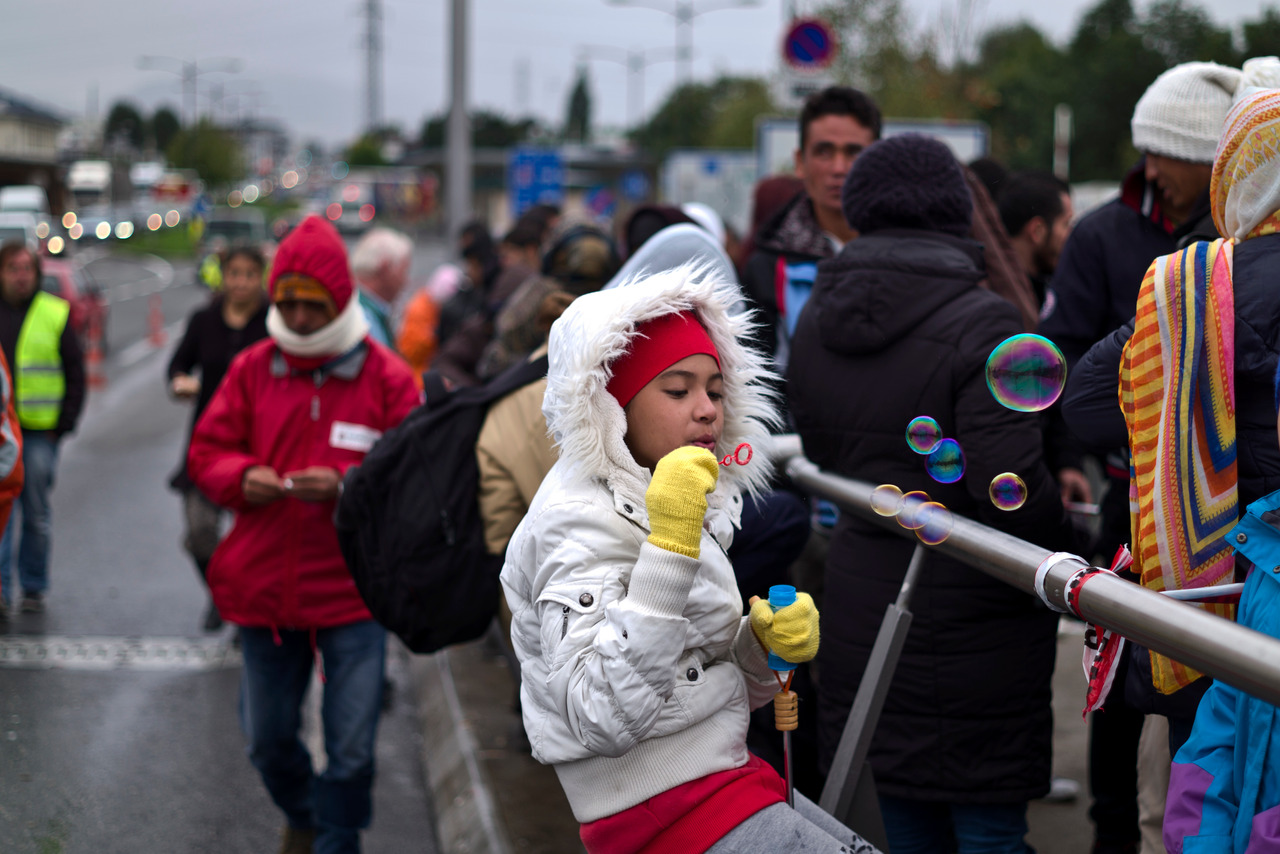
(68, 280)
(236, 227)
(227, 228)
(20, 225)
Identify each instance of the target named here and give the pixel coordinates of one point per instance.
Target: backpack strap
(515, 377)
(433, 387)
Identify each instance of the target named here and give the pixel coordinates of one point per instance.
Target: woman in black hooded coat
(897, 327)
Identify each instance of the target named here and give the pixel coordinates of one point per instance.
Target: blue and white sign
(635, 186)
(535, 176)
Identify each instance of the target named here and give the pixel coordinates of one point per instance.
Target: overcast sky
(302, 61)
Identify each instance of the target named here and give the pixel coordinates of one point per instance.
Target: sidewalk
(491, 797)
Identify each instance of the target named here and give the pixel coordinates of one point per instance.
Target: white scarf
(333, 339)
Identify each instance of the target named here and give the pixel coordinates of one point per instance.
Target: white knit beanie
(1181, 113)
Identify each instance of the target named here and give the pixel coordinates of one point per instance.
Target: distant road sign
(535, 175)
(809, 44)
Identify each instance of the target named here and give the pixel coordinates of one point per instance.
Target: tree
(577, 123)
(1019, 77)
(1262, 37)
(720, 114)
(209, 150)
(488, 130)
(165, 126)
(366, 151)
(738, 102)
(1111, 66)
(1183, 33)
(126, 124)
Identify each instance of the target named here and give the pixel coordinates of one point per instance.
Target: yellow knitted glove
(677, 499)
(791, 633)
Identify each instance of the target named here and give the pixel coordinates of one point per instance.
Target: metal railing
(1241, 657)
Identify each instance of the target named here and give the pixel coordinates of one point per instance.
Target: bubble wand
(786, 707)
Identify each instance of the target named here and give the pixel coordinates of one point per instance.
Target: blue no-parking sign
(809, 44)
(535, 176)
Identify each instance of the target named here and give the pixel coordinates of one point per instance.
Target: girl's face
(242, 280)
(681, 406)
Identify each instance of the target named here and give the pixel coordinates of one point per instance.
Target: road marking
(142, 348)
(48, 652)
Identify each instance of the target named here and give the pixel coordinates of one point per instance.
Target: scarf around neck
(338, 336)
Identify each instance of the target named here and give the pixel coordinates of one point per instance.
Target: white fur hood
(586, 421)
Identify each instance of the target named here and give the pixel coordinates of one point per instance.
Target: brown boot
(296, 840)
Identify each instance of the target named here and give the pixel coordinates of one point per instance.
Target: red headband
(658, 344)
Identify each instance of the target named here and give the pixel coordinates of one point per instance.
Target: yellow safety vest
(40, 379)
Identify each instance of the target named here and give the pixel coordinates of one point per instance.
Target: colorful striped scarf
(1177, 391)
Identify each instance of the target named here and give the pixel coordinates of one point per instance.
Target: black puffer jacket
(1091, 404)
(897, 328)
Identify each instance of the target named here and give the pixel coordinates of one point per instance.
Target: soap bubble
(1026, 373)
(945, 462)
(886, 499)
(922, 434)
(1007, 491)
(908, 516)
(936, 522)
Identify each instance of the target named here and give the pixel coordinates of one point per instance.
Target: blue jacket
(1224, 786)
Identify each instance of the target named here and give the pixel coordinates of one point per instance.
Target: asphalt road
(118, 727)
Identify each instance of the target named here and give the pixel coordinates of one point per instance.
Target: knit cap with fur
(908, 181)
(1181, 113)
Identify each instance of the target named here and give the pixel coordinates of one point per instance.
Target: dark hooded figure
(897, 327)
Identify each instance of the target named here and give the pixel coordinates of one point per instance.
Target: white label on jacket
(353, 437)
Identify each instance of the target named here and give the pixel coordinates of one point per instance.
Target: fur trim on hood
(586, 421)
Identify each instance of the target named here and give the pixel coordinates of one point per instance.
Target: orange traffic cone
(95, 376)
(156, 322)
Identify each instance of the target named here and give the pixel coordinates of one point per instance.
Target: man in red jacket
(293, 413)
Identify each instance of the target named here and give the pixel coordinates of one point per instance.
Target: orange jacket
(417, 338)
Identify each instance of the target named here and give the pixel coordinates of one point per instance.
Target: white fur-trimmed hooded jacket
(638, 668)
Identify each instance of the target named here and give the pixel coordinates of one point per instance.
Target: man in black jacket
(836, 124)
(1163, 204)
(898, 327)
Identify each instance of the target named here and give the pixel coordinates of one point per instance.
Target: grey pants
(803, 829)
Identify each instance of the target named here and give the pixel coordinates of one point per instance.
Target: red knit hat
(311, 264)
(658, 344)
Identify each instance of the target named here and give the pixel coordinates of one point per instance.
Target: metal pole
(684, 41)
(458, 151)
(1239, 656)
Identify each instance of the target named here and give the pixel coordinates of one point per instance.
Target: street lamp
(190, 72)
(635, 61)
(684, 11)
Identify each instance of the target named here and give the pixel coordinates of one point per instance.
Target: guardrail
(1241, 657)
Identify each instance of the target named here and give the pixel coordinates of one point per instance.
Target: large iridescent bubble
(908, 515)
(1007, 491)
(922, 434)
(945, 462)
(936, 522)
(886, 499)
(1026, 373)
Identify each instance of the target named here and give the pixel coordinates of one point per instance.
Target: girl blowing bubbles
(638, 669)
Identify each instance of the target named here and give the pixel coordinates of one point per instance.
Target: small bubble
(1007, 491)
(936, 522)
(922, 434)
(908, 516)
(886, 499)
(945, 462)
(1026, 373)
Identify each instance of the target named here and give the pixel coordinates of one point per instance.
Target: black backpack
(409, 521)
